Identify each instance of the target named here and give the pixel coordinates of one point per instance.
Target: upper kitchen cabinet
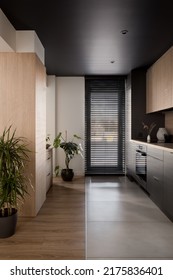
(151, 101)
(160, 84)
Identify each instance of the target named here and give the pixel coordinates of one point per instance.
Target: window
(105, 125)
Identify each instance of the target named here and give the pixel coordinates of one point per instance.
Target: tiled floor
(123, 223)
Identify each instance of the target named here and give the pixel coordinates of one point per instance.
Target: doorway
(105, 125)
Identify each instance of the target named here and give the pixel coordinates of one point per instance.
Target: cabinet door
(151, 88)
(164, 83)
(155, 180)
(168, 183)
(159, 83)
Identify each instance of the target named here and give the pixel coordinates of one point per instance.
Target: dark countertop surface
(164, 146)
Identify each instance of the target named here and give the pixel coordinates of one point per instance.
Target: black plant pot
(8, 224)
(67, 174)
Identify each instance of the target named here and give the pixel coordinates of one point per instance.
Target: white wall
(70, 116)
(51, 111)
(50, 107)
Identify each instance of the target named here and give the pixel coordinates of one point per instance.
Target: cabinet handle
(155, 178)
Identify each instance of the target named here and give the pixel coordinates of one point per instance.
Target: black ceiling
(82, 37)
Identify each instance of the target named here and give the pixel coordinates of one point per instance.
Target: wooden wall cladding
(169, 121)
(21, 82)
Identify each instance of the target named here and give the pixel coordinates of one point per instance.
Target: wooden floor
(58, 231)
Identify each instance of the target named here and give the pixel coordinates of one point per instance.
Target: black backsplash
(139, 116)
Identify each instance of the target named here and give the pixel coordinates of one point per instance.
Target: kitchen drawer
(154, 152)
(155, 180)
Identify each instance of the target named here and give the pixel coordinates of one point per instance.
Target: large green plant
(70, 148)
(13, 181)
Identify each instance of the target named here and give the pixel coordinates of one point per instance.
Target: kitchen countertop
(163, 146)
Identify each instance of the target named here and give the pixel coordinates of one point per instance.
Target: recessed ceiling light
(125, 31)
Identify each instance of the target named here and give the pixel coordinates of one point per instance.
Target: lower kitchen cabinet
(155, 179)
(159, 174)
(168, 184)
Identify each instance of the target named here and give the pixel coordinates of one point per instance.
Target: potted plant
(149, 129)
(13, 181)
(70, 149)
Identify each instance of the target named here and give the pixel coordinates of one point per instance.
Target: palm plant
(13, 181)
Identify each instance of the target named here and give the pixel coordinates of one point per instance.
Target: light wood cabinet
(152, 85)
(160, 84)
(23, 104)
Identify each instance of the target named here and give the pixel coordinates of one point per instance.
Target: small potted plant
(149, 129)
(13, 181)
(70, 149)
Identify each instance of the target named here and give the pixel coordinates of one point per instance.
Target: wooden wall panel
(169, 122)
(25, 111)
(19, 85)
(8, 76)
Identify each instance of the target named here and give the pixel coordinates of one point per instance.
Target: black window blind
(105, 125)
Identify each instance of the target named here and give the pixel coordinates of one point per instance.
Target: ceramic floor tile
(124, 211)
(123, 223)
(108, 194)
(111, 182)
(121, 240)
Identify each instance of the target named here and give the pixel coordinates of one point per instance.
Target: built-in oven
(141, 165)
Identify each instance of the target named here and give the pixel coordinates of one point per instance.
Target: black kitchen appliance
(141, 165)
